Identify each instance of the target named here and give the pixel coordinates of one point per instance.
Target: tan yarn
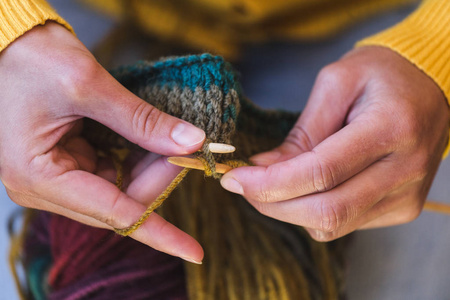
(205, 156)
(157, 203)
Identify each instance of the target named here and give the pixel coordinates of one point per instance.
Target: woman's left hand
(363, 153)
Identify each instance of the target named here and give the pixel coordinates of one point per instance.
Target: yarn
(157, 203)
(209, 163)
(247, 255)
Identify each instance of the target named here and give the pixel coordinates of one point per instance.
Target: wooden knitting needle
(221, 148)
(438, 207)
(194, 163)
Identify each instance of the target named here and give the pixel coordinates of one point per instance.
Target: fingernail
(192, 260)
(187, 135)
(232, 185)
(266, 158)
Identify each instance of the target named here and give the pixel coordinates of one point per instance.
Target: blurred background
(403, 262)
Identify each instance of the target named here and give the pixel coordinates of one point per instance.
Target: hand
(49, 82)
(363, 153)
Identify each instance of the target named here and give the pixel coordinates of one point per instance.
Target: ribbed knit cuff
(19, 16)
(424, 39)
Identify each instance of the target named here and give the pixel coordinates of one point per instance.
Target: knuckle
(407, 124)
(332, 74)
(263, 195)
(323, 178)
(110, 217)
(145, 119)
(78, 77)
(421, 167)
(261, 207)
(262, 191)
(411, 213)
(300, 139)
(321, 236)
(332, 216)
(418, 169)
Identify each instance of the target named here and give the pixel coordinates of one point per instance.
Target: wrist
(19, 17)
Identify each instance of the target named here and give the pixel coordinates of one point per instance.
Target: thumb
(139, 122)
(325, 113)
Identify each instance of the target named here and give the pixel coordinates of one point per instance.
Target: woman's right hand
(50, 81)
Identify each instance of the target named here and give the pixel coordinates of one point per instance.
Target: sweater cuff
(424, 39)
(19, 16)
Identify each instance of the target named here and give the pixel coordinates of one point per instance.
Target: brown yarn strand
(205, 156)
(157, 203)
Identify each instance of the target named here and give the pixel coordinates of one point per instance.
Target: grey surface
(7, 287)
(403, 262)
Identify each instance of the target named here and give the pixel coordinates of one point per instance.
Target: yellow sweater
(222, 26)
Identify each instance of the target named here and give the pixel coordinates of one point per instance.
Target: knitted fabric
(185, 87)
(247, 255)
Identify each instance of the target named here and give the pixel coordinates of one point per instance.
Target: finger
(136, 161)
(83, 153)
(103, 201)
(114, 106)
(334, 91)
(146, 187)
(42, 204)
(406, 204)
(170, 235)
(395, 210)
(330, 163)
(341, 210)
(392, 210)
(106, 169)
(143, 163)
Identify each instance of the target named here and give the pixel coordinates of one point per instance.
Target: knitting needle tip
(438, 207)
(194, 163)
(221, 148)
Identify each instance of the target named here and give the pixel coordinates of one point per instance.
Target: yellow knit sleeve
(19, 16)
(424, 39)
